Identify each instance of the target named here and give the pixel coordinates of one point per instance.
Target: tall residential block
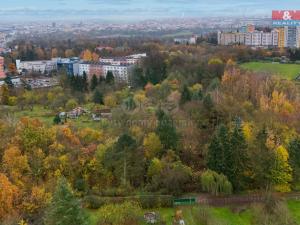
(291, 39)
(281, 37)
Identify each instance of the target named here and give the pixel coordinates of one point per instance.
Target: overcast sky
(138, 9)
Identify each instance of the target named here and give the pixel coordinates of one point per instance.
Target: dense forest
(193, 122)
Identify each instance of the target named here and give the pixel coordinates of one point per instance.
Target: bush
(203, 216)
(279, 215)
(71, 104)
(155, 201)
(127, 213)
(145, 201)
(12, 101)
(94, 202)
(215, 183)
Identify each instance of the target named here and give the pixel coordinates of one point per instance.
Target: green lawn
(38, 112)
(221, 214)
(229, 218)
(288, 71)
(47, 116)
(294, 207)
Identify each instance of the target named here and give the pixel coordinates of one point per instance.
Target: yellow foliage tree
(87, 55)
(38, 199)
(110, 101)
(8, 197)
(282, 171)
(152, 145)
(15, 164)
(140, 98)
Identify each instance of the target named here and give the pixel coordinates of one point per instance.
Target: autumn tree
(110, 101)
(216, 67)
(8, 197)
(69, 53)
(95, 57)
(54, 53)
(282, 172)
(4, 95)
(16, 165)
(87, 55)
(36, 202)
(140, 98)
(152, 145)
(12, 68)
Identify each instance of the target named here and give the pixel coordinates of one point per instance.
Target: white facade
(42, 66)
(131, 59)
(83, 68)
(275, 38)
(121, 73)
(257, 38)
(298, 37)
(76, 69)
(248, 39)
(267, 39)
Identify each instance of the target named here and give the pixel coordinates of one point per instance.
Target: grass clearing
(294, 208)
(223, 214)
(287, 71)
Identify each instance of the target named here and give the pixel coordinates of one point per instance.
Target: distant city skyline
(137, 9)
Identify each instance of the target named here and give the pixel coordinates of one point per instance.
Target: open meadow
(287, 71)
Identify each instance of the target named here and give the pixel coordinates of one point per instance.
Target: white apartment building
(267, 39)
(83, 68)
(131, 59)
(275, 37)
(121, 72)
(42, 66)
(226, 38)
(248, 39)
(256, 38)
(298, 37)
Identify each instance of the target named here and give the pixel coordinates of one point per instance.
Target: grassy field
(294, 207)
(287, 71)
(221, 214)
(47, 116)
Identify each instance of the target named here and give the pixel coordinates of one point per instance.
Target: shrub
(202, 215)
(145, 201)
(127, 213)
(215, 183)
(93, 202)
(155, 201)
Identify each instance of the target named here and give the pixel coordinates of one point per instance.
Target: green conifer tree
(65, 209)
(94, 82)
